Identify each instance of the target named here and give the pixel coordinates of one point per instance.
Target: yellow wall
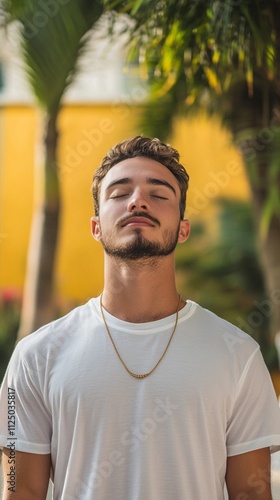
(214, 165)
(87, 132)
(16, 192)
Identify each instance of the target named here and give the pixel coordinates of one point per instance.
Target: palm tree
(52, 37)
(222, 56)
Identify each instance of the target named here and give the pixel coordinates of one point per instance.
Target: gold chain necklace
(135, 375)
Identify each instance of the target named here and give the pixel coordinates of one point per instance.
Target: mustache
(139, 214)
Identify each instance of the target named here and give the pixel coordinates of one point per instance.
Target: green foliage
(158, 114)
(223, 41)
(261, 152)
(219, 55)
(9, 321)
(224, 274)
(52, 39)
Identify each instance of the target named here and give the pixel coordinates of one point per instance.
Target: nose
(138, 201)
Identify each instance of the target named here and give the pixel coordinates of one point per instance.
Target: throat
(137, 311)
(143, 318)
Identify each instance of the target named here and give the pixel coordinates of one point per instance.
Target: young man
(139, 395)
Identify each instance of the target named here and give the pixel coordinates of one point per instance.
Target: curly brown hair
(149, 148)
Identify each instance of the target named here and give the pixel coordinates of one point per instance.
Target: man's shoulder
(61, 328)
(216, 327)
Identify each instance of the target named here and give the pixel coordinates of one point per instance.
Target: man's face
(139, 211)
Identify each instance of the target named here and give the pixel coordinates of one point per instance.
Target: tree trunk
(269, 250)
(268, 240)
(255, 124)
(37, 308)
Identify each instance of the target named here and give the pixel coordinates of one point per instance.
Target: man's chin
(136, 247)
(137, 252)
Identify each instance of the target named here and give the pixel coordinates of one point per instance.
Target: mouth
(138, 221)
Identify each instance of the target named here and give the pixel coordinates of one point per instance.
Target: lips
(141, 221)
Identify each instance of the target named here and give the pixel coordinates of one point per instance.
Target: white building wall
(102, 77)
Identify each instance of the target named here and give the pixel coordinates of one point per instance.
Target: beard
(140, 247)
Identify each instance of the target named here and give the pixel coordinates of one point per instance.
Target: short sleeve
(254, 422)
(24, 419)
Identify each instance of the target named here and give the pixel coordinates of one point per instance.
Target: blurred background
(76, 77)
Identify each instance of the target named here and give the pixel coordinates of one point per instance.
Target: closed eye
(115, 197)
(160, 197)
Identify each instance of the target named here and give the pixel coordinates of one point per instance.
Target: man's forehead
(138, 168)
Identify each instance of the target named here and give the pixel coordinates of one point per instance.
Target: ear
(184, 231)
(95, 228)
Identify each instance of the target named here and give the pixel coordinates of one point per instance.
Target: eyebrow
(160, 182)
(150, 180)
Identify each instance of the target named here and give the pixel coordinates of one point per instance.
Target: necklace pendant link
(139, 376)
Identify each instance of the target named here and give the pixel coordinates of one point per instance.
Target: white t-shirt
(166, 436)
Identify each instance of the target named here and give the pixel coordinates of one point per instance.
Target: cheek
(172, 213)
(111, 212)
(106, 221)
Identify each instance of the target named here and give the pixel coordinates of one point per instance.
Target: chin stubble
(140, 247)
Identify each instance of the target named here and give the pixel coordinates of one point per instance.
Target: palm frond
(51, 42)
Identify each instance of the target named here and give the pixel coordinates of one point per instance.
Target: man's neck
(140, 291)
